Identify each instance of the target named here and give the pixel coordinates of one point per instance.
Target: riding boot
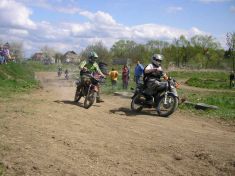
(98, 99)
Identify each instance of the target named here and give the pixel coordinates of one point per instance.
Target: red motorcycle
(88, 89)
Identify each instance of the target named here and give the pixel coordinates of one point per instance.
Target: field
(44, 133)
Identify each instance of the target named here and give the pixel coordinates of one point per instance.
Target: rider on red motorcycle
(90, 66)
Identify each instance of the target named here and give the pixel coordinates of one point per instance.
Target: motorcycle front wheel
(78, 95)
(137, 103)
(90, 99)
(167, 106)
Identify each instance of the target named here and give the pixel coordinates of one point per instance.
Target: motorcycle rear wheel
(164, 110)
(90, 99)
(136, 105)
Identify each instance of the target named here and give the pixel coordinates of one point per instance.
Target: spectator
(125, 76)
(113, 76)
(1, 55)
(232, 79)
(139, 70)
(6, 53)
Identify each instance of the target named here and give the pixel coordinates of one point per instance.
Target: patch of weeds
(225, 101)
(1, 169)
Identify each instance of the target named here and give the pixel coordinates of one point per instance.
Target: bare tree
(16, 49)
(48, 52)
(230, 37)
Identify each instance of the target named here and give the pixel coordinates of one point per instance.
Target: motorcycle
(66, 76)
(165, 99)
(59, 73)
(88, 89)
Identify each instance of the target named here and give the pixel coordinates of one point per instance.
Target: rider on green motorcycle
(90, 66)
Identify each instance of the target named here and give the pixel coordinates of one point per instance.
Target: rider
(91, 65)
(59, 70)
(66, 71)
(152, 77)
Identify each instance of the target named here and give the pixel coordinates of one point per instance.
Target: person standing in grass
(113, 76)
(6, 53)
(232, 79)
(1, 55)
(125, 77)
(139, 70)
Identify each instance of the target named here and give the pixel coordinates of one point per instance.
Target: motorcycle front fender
(174, 94)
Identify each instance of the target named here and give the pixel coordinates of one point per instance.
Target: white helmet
(157, 59)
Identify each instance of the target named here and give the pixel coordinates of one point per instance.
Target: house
(71, 57)
(38, 56)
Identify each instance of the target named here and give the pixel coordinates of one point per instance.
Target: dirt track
(45, 133)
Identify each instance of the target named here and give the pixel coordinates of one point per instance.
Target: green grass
(16, 78)
(218, 75)
(210, 80)
(38, 66)
(202, 79)
(208, 83)
(1, 169)
(225, 102)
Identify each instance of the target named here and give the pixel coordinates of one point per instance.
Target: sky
(74, 24)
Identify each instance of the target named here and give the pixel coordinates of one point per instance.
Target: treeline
(200, 52)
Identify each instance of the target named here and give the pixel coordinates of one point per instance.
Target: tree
(206, 45)
(123, 48)
(58, 57)
(16, 50)
(175, 49)
(230, 37)
(48, 52)
(205, 42)
(100, 49)
(157, 44)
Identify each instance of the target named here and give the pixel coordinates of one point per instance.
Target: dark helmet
(92, 57)
(157, 59)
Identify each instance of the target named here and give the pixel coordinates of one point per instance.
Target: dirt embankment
(45, 133)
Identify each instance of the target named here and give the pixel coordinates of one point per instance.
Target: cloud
(63, 36)
(232, 9)
(99, 17)
(213, 1)
(14, 14)
(19, 32)
(174, 9)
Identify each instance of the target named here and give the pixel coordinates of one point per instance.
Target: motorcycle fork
(165, 98)
(89, 88)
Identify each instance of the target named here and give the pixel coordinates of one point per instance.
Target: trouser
(232, 83)
(138, 79)
(1, 59)
(154, 85)
(124, 84)
(114, 83)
